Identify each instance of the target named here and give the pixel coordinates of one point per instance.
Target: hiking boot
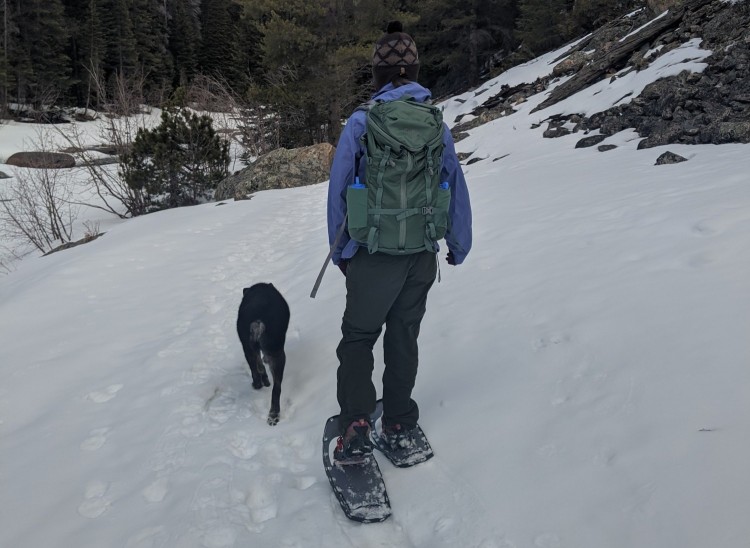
(354, 447)
(396, 437)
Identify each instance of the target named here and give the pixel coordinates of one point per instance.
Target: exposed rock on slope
(281, 168)
(708, 107)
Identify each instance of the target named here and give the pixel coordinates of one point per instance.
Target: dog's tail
(257, 328)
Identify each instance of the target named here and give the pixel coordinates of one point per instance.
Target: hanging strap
(328, 258)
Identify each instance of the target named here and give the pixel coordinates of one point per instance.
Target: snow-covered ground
(584, 375)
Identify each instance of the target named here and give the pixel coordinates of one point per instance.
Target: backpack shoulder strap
(365, 107)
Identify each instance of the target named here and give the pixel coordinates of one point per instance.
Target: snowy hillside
(584, 375)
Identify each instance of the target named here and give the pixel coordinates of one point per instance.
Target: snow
(583, 379)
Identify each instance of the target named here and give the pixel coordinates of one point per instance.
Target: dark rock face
(498, 106)
(695, 108)
(669, 158)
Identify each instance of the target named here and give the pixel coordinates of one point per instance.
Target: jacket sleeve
(342, 175)
(458, 236)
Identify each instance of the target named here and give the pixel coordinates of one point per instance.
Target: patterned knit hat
(395, 55)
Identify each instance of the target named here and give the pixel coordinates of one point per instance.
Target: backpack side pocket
(356, 206)
(442, 205)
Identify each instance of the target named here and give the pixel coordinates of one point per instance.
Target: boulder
(281, 168)
(41, 160)
(590, 141)
(605, 148)
(669, 158)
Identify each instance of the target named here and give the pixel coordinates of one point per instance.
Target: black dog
(262, 322)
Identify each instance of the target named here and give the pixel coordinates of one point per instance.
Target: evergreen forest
(306, 60)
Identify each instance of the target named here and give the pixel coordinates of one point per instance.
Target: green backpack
(403, 206)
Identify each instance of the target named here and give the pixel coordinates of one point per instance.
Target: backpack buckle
(427, 210)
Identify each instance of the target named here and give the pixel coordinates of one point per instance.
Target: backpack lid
(405, 124)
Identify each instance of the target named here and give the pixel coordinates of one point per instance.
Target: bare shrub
(289, 117)
(122, 101)
(91, 230)
(239, 119)
(39, 207)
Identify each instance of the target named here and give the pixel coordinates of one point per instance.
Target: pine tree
(86, 49)
(4, 66)
(316, 58)
(150, 36)
(588, 15)
(177, 163)
(40, 64)
(220, 54)
(183, 40)
(541, 24)
(120, 55)
(457, 40)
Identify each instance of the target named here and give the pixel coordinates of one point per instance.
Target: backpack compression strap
(372, 236)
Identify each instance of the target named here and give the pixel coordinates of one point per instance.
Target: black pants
(388, 290)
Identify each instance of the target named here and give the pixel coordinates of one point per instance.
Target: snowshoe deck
(359, 488)
(420, 451)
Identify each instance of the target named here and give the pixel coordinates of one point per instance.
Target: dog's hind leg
(257, 328)
(277, 361)
(254, 361)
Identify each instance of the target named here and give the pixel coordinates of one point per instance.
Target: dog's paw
(258, 384)
(273, 418)
(266, 382)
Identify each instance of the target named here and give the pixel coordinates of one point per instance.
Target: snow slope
(584, 378)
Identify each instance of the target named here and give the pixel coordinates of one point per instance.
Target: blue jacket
(350, 148)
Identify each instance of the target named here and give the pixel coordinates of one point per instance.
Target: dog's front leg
(277, 362)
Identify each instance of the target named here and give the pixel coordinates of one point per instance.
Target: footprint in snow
(262, 503)
(95, 503)
(102, 396)
(220, 537)
(545, 342)
(147, 538)
(182, 328)
(96, 440)
(303, 483)
(501, 543)
(242, 446)
(443, 525)
(211, 304)
(705, 228)
(157, 491)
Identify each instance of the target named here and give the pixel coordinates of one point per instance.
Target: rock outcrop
(41, 160)
(281, 168)
(712, 106)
